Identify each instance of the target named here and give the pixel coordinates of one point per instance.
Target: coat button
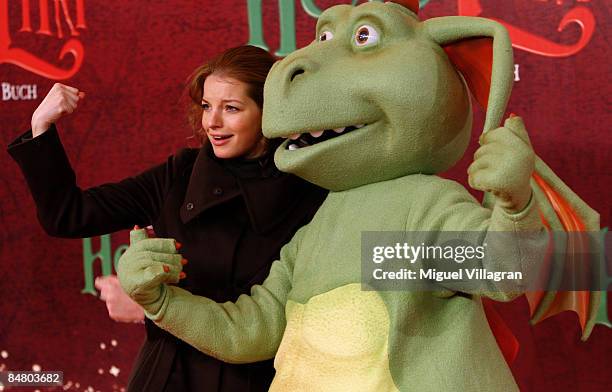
(189, 206)
(217, 191)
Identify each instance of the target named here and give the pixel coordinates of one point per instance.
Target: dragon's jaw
(342, 161)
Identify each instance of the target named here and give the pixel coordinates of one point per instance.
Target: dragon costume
(372, 110)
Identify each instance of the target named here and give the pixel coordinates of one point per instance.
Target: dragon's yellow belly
(337, 341)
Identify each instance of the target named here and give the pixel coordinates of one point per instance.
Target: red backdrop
(131, 58)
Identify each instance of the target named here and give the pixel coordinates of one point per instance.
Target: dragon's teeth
(294, 137)
(317, 133)
(339, 130)
(293, 147)
(359, 126)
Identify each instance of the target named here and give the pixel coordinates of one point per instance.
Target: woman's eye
(205, 106)
(326, 36)
(231, 108)
(366, 35)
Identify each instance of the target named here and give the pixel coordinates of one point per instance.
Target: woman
(227, 206)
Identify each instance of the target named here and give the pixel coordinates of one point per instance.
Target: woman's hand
(120, 307)
(147, 266)
(60, 101)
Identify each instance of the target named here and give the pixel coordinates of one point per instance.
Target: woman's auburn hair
(248, 64)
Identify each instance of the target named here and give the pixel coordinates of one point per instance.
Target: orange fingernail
(184, 261)
(166, 269)
(512, 115)
(178, 245)
(182, 275)
(136, 227)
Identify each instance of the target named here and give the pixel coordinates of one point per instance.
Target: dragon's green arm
(248, 330)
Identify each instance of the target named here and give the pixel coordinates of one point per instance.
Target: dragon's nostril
(296, 73)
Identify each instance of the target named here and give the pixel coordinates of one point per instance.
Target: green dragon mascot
(372, 110)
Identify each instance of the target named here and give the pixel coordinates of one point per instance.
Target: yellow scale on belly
(337, 341)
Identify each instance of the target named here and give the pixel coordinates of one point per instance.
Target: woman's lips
(220, 140)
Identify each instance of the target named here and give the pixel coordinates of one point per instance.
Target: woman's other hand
(120, 306)
(147, 266)
(60, 101)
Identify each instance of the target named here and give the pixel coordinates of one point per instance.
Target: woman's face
(231, 119)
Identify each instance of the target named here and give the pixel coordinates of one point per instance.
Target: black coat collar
(268, 199)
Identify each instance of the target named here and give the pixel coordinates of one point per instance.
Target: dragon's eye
(366, 35)
(326, 36)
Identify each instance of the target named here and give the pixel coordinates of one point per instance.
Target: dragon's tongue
(302, 141)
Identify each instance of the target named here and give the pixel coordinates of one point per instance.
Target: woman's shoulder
(186, 155)
(183, 160)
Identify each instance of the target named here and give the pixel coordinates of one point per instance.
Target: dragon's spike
(412, 5)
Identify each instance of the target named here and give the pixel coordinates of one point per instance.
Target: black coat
(232, 218)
